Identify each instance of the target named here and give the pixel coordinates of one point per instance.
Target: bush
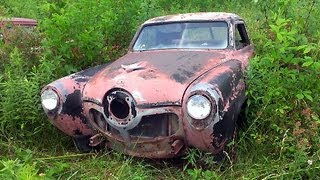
(87, 33)
(27, 40)
(19, 105)
(283, 93)
(25, 8)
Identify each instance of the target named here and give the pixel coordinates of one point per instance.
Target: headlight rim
(58, 99)
(196, 93)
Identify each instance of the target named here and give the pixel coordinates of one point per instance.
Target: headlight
(49, 99)
(198, 107)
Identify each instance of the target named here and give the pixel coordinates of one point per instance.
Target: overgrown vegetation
(281, 140)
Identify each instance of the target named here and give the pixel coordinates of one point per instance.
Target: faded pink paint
(151, 82)
(71, 125)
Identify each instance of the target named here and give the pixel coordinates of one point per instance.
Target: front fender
(224, 86)
(69, 117)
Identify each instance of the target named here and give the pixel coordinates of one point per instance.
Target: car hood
(153, 77)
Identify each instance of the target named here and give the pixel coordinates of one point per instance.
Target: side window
(241, 36)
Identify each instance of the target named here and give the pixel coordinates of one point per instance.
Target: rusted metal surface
(213, 16)
(177, 146)
(119, 138)
(96, 140)
(18, 22)
(138, 103)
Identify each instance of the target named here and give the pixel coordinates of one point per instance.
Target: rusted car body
(159, 99)
(7, 25)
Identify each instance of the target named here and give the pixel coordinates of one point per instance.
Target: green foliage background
(281, 140)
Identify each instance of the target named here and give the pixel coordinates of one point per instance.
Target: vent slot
(156, 125)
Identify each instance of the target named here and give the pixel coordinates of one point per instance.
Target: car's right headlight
(49, 99)
(198, 107)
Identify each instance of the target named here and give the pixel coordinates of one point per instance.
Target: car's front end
(153, 130)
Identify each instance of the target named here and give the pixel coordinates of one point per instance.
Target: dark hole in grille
(156, 125)
(149, 127)
(101, 123)
(119, 108)
(98, 119)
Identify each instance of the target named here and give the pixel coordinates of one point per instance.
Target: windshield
(190, 35)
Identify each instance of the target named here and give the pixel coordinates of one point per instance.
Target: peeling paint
(137, 95)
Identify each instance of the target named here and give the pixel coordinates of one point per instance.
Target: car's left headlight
(49, 99)
(198, 107)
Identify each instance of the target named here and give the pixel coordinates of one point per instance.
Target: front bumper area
(168, 147)
(157, 133)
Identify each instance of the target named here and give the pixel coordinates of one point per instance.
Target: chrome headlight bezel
(50, 99)
(194, 108)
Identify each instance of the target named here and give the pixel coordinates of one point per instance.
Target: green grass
(58, 159)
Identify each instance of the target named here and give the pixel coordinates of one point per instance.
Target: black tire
(242, 121)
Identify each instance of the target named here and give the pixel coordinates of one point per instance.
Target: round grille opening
(119, 108)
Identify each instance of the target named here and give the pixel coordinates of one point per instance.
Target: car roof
(18, 21)
(201, 16)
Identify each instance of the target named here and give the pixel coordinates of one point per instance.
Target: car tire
(242, 121)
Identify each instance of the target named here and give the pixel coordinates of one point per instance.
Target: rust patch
(194, 17)
(96, 140)
(159, 104)
(186, 63)
(77, 132)
(177, 146)
(149, 74)
(218, 136)
(73, 105)
(84, 75)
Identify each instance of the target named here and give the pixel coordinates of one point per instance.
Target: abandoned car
(180, 85)
(8, 25)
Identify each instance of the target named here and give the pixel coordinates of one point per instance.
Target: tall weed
(25, 8)
(18, 110)
(283, 94)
